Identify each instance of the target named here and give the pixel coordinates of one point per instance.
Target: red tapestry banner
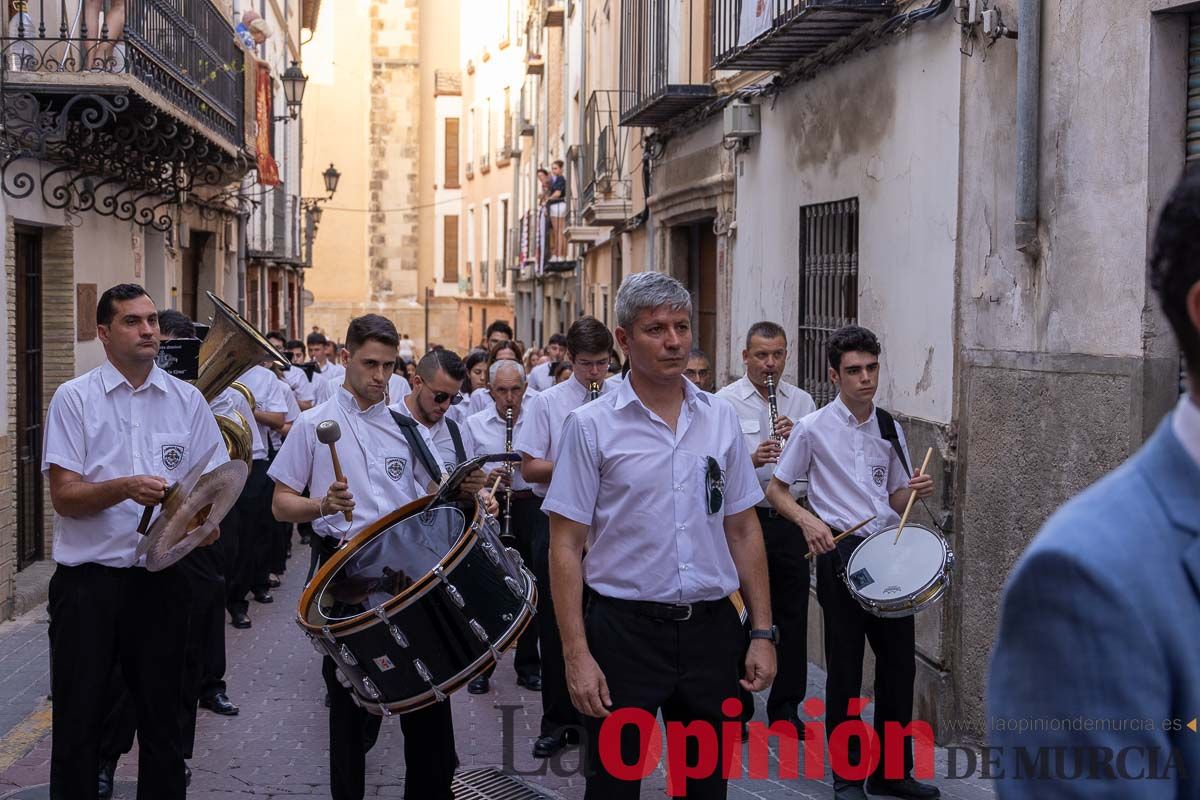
(268, 170)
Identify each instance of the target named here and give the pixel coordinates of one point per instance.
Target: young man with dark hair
(370, 437)
(297, 381)
(498, 331)
(853, 472)
(588, 344)
(116, 436)
(654, 481)
(1099, 615)
(766, 356)
(540, 378)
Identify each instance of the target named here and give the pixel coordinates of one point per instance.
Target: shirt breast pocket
(750, 426)
(170, 454)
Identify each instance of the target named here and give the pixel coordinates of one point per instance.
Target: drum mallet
(912, 498)
(328, 433)
(845, 533)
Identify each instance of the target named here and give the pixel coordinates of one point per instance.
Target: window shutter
(450, 249)
(451, 178)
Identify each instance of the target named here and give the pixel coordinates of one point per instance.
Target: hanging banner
(268, 170)
(756, 19)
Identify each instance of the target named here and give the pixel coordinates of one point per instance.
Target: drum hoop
(410, 595)
(903, 600)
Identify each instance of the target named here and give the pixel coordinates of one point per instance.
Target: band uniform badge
(395, 468)
(172, 455)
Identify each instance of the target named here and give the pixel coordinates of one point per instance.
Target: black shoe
(479, 686)
(187, 776)
(264, 597)
(851, 791)
(531, 682)
(107, 768)
(907, 788)
(219, 704)
(241, 620)
(547, 746)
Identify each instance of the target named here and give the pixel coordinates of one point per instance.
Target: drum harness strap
(416, 443)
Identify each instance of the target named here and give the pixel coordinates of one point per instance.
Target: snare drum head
(881, 571)
(384, 567)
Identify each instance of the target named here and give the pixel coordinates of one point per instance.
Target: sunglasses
(715, 480)
(441, 397)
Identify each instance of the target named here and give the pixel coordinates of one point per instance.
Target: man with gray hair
(654, 480)
(489, 430)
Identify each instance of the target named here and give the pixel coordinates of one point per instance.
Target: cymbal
(187, 519)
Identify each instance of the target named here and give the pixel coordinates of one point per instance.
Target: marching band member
(765, 355)
(854, 472)
(653, 478)
(435, 390)
(380, 477)
(540, 378)
(115, 437)
(481, 398)
(297, 381)
(488, 430)
(588, 343)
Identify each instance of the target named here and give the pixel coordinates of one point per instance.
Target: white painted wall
(882, 128)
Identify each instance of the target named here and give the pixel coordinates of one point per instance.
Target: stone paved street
(276, 747)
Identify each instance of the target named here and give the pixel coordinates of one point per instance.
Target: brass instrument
(508, 444)
(773, 405)
(593, 390)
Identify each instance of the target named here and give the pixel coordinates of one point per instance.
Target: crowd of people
(669, 529)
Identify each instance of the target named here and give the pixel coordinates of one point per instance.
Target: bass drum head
(883, 572)
(385, 567)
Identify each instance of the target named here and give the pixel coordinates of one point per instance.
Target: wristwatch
(770, 634)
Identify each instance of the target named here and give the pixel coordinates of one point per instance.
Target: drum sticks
(846, 533)
(912, 498)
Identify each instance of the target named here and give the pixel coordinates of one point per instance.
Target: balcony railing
(789, 30)
(183, 51)
(658, 77)
(606, 186)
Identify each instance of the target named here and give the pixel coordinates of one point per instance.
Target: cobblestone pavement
(276, 746)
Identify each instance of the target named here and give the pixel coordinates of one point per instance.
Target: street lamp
(312, 208)
(331, 176)
(294, 83)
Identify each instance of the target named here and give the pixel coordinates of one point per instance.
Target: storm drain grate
(492, 784)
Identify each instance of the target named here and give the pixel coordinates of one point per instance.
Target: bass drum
(418, 604)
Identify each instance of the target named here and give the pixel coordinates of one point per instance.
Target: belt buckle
(688, 611)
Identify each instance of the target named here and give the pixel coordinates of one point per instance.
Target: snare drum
(418, 604)
(900, 579)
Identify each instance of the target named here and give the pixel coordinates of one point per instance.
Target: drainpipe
(243, 224)
(1029, 83)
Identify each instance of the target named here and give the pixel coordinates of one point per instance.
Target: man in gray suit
(1094, 686)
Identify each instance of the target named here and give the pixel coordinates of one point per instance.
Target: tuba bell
(231, 347)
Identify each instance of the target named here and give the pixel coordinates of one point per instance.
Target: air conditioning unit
(742, 120)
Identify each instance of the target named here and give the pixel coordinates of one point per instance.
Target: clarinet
(773, 405)
(593, 390)
(508, 443)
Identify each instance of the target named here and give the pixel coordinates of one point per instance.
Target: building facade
(125, 156)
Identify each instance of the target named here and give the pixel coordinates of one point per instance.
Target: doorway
(30, 515)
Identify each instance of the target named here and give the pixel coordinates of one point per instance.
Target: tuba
(231, 347)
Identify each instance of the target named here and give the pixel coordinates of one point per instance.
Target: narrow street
(276, 746)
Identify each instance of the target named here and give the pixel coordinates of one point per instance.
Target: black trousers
(686, 670)
(787, 569)
(204, 661)
(558, 713)
(429, 753)
(847, 627)
(100, 616)
(255, 533)
(525, 511)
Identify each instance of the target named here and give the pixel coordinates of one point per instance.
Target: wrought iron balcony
(181, 55)
(607, 186)
(795, 30)
(658, 74)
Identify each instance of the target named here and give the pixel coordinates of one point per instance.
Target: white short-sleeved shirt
(851, 470)
(300, 385)
(440, 443)
(754, 415)
(372, 451)
(643, 491)
(544, 418)
(540, 377)
(231, 400)
(487, 433)
(289, 416)
(269, 395)
(101, 428)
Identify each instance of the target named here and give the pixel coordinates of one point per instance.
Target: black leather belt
(668, 612)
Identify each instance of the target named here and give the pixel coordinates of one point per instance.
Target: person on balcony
(98, 52)
(556, 204)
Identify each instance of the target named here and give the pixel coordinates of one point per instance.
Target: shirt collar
(1186, 425)
(112, 378)
(349, 403)
(691, 394)
(846, 415)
